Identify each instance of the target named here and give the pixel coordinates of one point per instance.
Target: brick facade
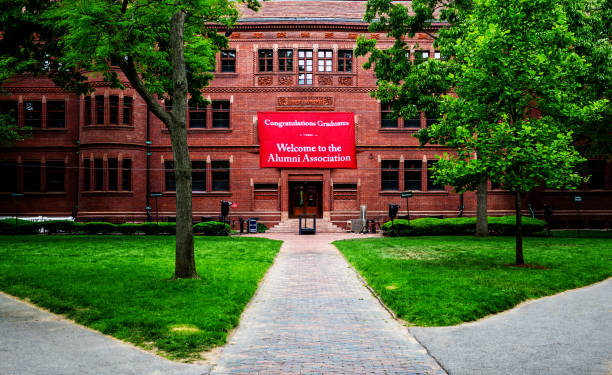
(112, 129)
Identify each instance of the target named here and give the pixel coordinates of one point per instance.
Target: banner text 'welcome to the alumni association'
(307, 139)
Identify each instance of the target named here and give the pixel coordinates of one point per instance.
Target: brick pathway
(312, 315)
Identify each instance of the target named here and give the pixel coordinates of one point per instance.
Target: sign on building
(306, 139)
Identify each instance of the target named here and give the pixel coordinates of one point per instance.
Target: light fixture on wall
(371, 156)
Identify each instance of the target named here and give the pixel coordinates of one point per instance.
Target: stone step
(292, 226)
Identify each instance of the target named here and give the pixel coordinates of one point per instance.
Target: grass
(440, 281)
(120, 285)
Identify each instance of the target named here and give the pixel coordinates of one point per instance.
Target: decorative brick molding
(285, 80)
(352, 35)
(329, 35)
(290, 103)
(235, 36)
(345, 81)
(281, 35)
(325, 80)
(305, 35)
(264, 81)
(257, 35)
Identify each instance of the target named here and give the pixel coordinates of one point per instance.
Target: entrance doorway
(305, 198)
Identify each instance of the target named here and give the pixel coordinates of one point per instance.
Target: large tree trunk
(482, 223)
(519, 230)
(184, 266)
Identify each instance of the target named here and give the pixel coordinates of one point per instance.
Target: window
(345, 61)
(55, 175)
(100, 110)
(87, 110)
(305, 67)
(420, 57)
(324, 60)
(98, 174)
(113, 101)
(220, 114)
(597, 171)
(33, 113)
(228, 61)
(412, 122)
(352, 187)
(431, 184)
(431, 121)
(8, 171)
(390, 174)
(197, 116)
(437, 55)
(127, 110)
(10, 108)
(412, 174)
(220, 175)
(169, 176)
(113, 169)
(31, 176)
(168, 105)
(198, 175)
(268, 187)
(285, 60)
(266, 60)
(386, 117)
(86, 174)
(126, 175)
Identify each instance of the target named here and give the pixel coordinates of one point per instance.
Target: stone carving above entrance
(293, 103)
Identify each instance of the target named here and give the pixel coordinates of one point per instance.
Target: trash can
(252, 225)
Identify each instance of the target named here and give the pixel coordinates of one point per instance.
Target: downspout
(148, 153)
(75, 211)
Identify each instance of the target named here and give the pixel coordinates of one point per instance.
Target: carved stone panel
(345, 81)
(304, 103)
(285, 80)
(264, 81)
(325, 80)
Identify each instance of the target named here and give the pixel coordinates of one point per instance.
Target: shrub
(59, 226)
(7, 226)
(211, 228)
(458, 226)
(129, 228)
(261, 228)
(95, 227)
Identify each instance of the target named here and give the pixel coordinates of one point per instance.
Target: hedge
(503, 226)
(7, 226)
(211, 228)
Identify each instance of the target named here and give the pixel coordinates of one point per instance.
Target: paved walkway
(565, 334)
(312, 315)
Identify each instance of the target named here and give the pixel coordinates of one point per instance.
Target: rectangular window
(98, 174)
(412, 175)
(113, 169)
(597, 171)
(197, 116)
(305, 67)
(220, 175)
(198, 175)
(31, 176)
(169, 176)
(266, 60)
(348, 187)
(126, 174)
(386, 117)
(412, 122)
(113, 102)
(324, 60)
(420, 57)
(10, 108)
(285, 60)
(86, 175)
(33, 113)
(437, 55)
(345, 61)
(99, 110)
(55, 175)
(168, 105)
(390, 175)
(8, 171)
(127, 110)
(431, 183)
(87, 114)
(56, 114)
(228, 61)
(431, 121)
(220, 114)
(265, 187)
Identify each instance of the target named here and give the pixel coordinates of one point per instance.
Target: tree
(165, 49)
(412, 87)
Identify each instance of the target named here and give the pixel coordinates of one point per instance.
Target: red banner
(306, 139)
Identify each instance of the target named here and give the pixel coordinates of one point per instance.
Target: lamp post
(17, 196)
(156, 194)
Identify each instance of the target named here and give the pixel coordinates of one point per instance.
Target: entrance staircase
(293, 226)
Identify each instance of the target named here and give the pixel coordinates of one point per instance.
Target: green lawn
(120, 285)
(438, 281)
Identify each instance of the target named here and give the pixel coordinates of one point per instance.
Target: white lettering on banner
(281, 124)
(307, 159)
(291, 148)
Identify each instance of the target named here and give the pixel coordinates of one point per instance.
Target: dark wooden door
(305, 198)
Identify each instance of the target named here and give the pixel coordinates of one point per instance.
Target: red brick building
(100, 157)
